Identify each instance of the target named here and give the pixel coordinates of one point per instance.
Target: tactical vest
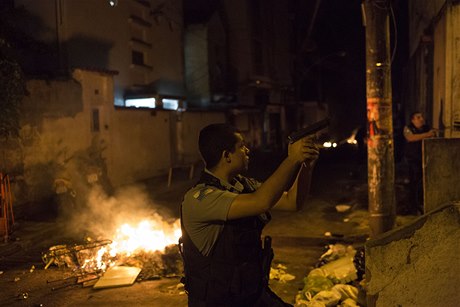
(413, 150)
(232, 274)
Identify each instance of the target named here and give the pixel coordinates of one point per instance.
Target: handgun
(313, 128)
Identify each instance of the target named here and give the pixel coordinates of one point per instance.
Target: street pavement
(299, 239)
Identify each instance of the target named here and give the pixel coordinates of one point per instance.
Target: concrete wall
(58, 137)
(187, 126)
(446, 70)
(140, 145)
(49, 136)
(71, 130)
(439, 73)
(422, 13)
(441, 169)
(417, 265)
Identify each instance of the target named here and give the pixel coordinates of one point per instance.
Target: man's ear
(226, 156)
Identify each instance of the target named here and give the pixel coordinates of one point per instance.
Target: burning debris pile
(123, 230)
(150, 249)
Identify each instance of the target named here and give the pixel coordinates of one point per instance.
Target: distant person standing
(414, 133)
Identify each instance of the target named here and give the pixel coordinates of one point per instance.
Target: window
(146, 102)
(137, 57)
(170, 104)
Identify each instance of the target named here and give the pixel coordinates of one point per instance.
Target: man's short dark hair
(412, 115)
(213, 140)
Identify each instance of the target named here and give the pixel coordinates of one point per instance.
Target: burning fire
(145, 243)
(130, 231)
(147, 236)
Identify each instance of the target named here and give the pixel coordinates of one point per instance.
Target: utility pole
(380, 143)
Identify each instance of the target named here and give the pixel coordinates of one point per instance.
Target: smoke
(102, 214)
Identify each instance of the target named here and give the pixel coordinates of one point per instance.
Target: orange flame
(146, 236)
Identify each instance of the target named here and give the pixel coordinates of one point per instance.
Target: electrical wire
(395, 28)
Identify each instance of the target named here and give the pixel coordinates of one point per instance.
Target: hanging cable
(395, 29)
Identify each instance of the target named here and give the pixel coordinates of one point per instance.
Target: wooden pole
(379, 117)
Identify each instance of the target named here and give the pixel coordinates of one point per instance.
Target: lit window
(140, 102)
(170, 104)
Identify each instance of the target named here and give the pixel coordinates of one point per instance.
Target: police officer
(223, 215)
(414, 133)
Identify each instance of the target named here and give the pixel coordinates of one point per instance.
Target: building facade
(434, 66)
(238, 55)
(139, 39)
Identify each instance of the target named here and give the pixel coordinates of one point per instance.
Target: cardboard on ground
(118, 276)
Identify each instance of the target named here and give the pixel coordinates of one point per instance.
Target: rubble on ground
(89, 261)
(279, 274)
(337, 279)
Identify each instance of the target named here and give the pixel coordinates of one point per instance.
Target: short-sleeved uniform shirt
(205, 209)
(413, 150)
(407, 131)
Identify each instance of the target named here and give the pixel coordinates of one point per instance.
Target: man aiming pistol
(223, 215)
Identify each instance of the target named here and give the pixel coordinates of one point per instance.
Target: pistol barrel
(313, 128)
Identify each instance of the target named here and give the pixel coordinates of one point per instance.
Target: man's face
(417, 120)
(240, 157)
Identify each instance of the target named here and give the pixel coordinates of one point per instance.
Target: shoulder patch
(202, 193)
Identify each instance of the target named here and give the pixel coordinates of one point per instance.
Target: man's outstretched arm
(295, 198)
(272, 190)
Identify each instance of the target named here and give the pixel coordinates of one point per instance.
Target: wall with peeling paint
(416, 265)
(54, 127)
(71, 131)
(441, 166)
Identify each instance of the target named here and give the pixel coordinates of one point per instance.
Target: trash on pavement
(326, 297)
(349, 303)
(342, 207)
(315, 282)
(346, 291)
(336, 251)
(341, 270)
(279, 273)
(328, 284)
